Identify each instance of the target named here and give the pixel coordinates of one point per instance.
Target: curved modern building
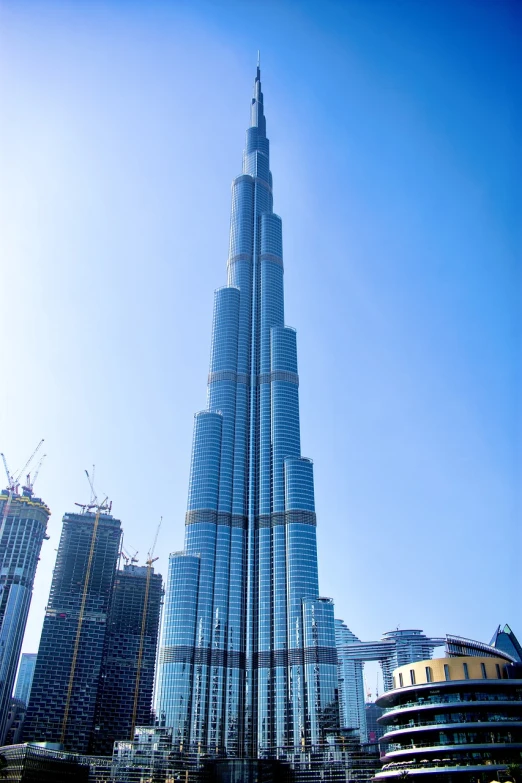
(394, 649)
(452, 718)
(248, 664)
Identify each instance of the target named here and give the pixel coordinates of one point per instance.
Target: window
(484, 672)
(429, 675)
(395, 683)
(447, 674)
(499, 675)
(412, 676)
(466, 672)
(400, 680)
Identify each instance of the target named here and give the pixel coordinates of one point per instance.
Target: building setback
(24, 680)
(65, 684)
(248, 664)
(132, 634)
(23, 522)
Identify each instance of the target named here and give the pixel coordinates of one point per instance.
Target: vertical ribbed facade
(248, 657)
(22, 530)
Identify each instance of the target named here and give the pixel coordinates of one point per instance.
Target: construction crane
(150, 560)
(29, 483)
(102, 507)
(94, 498)
(127, 556)
(13, 482)
(106, 506)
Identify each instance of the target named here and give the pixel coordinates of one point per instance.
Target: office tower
(394, 649)
(452, 719)
(65, 683)
(248, 659)
(23, 521)
(351, 683)
(127, 672)
(24, 680)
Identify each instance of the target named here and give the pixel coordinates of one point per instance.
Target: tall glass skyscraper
(23, 521)
(248, 658)
(24, 680)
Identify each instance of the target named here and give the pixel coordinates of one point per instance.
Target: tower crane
(106, 506)
(127, 556)
(13, 482)
(150, 560)
(29, 483)
(93, 499)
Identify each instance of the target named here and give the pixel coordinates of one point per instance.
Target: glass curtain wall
(249, 667)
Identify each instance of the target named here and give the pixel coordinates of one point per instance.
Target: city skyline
(443, 421)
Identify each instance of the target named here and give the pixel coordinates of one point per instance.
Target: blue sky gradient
(395, 145)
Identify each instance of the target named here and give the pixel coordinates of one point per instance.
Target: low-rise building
(452, 718)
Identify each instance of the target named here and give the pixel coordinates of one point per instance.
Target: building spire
(257, 113)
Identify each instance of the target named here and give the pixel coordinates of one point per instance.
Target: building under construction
(22, 530)
(66, 680)
(127, 677)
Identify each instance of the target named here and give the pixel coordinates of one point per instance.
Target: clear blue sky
(395, 129)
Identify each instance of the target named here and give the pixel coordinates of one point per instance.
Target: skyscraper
(351, 683)
(394, 649)
(24, 680)
(248, 659)
(127, 672)
(22, 530)
(66, 677)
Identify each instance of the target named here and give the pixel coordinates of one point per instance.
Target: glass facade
(248, 657)
(66, 677)
(25, 677)
(504, 640)
(408, 646)
(127, 672)
(22, 531)
(394, 649)
(351, 682)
